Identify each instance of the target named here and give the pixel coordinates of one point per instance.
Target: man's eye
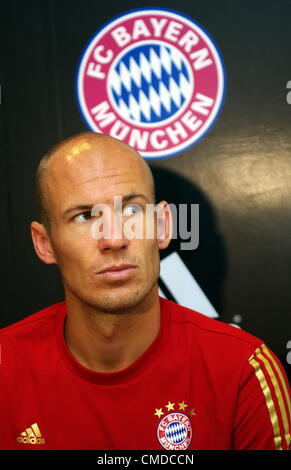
(131, 209)
(83, 217)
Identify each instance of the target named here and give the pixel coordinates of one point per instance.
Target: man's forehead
(87, 155)
(71, 151)
(83, 166)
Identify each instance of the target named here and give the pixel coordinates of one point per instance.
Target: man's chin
(118, 303)
(113, 305)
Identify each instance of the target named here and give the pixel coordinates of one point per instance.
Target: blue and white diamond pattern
(176, 432)
(150, 83)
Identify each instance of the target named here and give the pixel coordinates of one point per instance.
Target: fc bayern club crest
(175, 431)
(153, 78)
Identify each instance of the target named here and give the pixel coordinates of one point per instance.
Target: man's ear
(42, 244)
(164, 225)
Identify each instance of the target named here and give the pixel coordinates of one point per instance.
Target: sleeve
(263, 411)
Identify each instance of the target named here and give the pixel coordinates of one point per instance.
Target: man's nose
(112, 234)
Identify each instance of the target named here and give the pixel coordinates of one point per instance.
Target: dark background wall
(242, 167)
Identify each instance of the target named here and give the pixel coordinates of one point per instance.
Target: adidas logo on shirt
(31, 435)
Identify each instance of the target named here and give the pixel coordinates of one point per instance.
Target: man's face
(85, 174)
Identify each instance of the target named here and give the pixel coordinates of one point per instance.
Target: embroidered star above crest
(170, 406)
(159, 412)
(182, 405)
(192, 412)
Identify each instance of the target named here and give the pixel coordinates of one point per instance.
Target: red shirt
(201, 384)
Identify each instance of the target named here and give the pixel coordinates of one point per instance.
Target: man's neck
(108, 342)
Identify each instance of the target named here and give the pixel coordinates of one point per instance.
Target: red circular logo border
(172, 15)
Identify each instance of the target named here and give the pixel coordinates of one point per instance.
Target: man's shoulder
(37, 325)
(210, 331)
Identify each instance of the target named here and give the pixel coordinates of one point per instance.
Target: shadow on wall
(206, 263)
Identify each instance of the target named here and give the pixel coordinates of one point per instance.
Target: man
(116, 366)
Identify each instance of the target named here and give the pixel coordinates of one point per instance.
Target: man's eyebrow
(133, 195)
(88, 207)
(81, 207)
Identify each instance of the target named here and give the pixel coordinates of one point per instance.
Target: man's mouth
(117, 272)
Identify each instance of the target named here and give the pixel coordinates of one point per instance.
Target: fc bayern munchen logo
(152, 78)
(175, 431)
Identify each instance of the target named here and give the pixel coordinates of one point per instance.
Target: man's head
(75, 175)
(83, 141)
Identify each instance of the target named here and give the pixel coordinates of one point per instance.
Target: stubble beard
(113, 299)
(115, 302)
